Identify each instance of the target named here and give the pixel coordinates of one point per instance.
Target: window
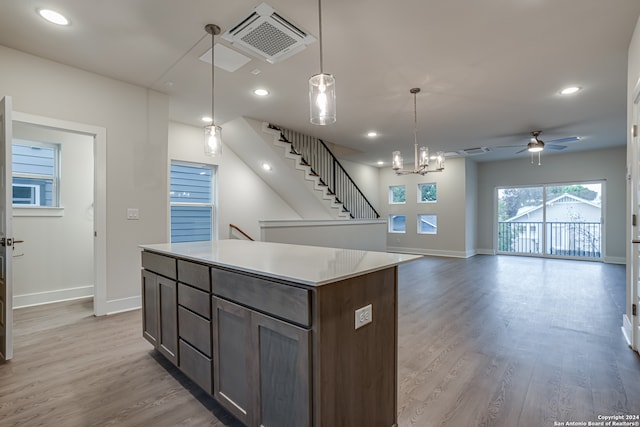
(36, 173)
(427, 224)
(397, 194)
(397, 224)
(427, 193)
(191, 199)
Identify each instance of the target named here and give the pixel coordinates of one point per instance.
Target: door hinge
(634, 309)
(634, 131)
(634, 220)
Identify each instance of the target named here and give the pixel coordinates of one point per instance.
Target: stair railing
(323, 163)
(239, 230)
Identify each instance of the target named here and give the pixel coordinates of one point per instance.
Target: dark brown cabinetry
(277, 353)
(159, 294)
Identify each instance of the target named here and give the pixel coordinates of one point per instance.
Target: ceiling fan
(536, 145)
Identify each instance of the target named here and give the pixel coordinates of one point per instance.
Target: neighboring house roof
(563, 198)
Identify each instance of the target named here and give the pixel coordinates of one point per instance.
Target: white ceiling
(490, 70)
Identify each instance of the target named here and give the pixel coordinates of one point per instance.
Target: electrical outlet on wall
(364, 316)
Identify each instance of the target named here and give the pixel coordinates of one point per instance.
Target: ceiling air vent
(473, 151)
(268, 35)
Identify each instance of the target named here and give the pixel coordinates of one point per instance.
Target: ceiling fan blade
(523, 150)
(564, 140)
(555, 147)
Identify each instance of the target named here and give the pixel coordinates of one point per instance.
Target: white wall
(451, 208)
(244, 198)
(55, 261)
(608, 165)
(136, 153)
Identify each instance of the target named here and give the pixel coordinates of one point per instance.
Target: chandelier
(421, 158)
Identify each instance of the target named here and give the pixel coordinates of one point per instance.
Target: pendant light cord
(213, 67)
(415, 120)
(320, 32)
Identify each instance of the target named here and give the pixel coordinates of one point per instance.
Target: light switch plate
(364, 316)
(133, 213)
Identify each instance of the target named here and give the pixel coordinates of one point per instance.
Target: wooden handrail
(235, 227)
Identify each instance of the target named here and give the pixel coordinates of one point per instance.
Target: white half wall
(369, 235)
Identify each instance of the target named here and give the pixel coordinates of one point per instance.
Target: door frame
(99, 135)
(630, 323)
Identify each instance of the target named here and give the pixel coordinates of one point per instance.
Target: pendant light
(322, 89)
(421, 161)
(212, 133)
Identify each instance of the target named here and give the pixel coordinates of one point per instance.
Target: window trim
(212, 204)
(391, 202)
(418, 224)
(419, 192)
(55, 178)
(390, 224)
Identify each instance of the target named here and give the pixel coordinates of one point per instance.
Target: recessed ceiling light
(380, 162)
(53, 16)
(261, 92)
(372, 134)
(569, 90)
(266, 166)
(207, 119)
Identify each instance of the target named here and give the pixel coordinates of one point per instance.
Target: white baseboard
(29, 300)
(431, 252)
(123, 304)
(486, 252)
(627, 329)
(614, 260)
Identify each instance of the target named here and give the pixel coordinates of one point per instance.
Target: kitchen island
(280, 335)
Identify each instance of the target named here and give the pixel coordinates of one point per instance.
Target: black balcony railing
(571, 239)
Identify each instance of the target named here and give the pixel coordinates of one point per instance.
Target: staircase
(322, 168)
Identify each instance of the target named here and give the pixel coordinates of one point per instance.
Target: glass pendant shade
(424, 157)
(397, 160)
(322, 99)
(212, 140)
(440, 160)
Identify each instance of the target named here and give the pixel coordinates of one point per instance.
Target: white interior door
(633, 252)
(6, 232)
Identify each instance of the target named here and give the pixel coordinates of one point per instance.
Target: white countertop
(308, 265)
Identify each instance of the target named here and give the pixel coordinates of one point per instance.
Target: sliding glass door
(563, 220)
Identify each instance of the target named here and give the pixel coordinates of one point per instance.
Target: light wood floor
(486, 341)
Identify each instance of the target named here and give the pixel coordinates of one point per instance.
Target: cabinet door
(232, 358)
(150, 313)
(281, 367)
(168, 319)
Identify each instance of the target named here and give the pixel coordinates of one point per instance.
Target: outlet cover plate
(364, 316)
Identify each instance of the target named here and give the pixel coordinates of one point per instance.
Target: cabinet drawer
(278, 299)
(163, 265)
(194, 274)
(195, 330)
(195, 300)
(196, 366)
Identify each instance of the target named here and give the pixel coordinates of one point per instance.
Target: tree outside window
(427, 193)
(397, 194)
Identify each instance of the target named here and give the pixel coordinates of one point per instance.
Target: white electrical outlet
(364, 316)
